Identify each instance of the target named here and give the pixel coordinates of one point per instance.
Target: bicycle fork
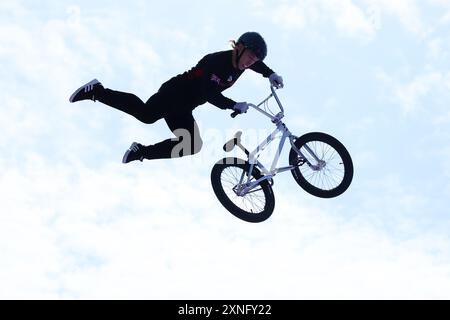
(320, 163)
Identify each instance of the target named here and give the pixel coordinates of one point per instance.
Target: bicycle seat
(229, 146)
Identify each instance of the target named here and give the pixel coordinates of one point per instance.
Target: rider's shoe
(89, 91)
(135, 152)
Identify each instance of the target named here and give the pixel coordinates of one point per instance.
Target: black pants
(162, 105)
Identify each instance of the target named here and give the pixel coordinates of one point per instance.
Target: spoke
(332, 174)
(254, 201)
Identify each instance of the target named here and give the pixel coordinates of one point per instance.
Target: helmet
(254, 42)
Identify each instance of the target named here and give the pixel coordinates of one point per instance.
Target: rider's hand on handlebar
(241, 107)
(276, 81)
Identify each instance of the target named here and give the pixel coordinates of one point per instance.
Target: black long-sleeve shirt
(205, 82)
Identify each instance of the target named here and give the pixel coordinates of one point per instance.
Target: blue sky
(77, 223)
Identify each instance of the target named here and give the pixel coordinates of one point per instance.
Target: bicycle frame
(245, 187)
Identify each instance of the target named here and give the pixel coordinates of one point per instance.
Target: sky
(76, 223)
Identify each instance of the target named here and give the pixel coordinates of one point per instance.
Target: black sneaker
(86, 92)
(134, 153)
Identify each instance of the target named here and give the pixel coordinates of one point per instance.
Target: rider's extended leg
(148, 112)
(164, 104)
(187, 141)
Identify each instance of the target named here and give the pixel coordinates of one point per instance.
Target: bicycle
(319, 163)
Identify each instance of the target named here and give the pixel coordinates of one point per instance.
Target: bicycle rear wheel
(255, 206)
(331, 175)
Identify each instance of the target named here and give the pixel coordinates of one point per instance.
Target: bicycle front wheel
(255, 206)
(324, 168)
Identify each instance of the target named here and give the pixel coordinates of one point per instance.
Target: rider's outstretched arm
(219, 100)
(262, 68)
(274, 78)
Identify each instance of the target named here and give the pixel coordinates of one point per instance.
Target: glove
(276, 80)
(241, 107)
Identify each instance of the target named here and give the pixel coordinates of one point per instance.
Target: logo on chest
(220, 82)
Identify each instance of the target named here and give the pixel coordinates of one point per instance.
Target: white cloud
(121, 232)
(435, 49)
(349, 19)
(407, 12)
(409, 95)
(290, 17)
(438, 53)
(354, 19)
(445, 19)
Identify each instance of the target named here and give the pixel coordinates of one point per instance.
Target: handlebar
(273, 118)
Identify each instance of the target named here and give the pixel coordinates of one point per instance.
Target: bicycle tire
(228, 198)
(303, 174)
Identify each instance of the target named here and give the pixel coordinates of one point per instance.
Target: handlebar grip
(234, 114)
